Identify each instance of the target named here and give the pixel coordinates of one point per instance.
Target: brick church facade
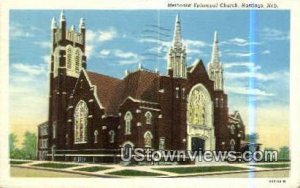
(91, 115)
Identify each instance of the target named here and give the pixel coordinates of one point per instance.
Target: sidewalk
(149, 168)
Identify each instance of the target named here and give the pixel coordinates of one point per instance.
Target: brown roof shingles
(141, 85)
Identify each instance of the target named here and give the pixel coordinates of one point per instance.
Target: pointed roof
(215, 60)
(177, 32)
(81, 23)
(53, 23)
(62, 16)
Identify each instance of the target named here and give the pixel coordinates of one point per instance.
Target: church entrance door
(198, 144)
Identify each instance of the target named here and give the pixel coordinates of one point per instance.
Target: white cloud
(104, 53)
(156, 41)
(89, 50)
(43, 44)
(250, 65)
(239, 42)
(123, 57)
(32, 70)
(46, 59)
(17, 30)
(101, 35)
(249, 91)
(128, 62)
(266, 52)
(241, 54)
(107, 35)
(195, 43)
(158, 49)
(94, 38)
(275, 34)
(248, 74)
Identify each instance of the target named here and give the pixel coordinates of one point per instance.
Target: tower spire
(215, 68)
(215, 50)
(62, 16)
(81, 23)
(177, 54)
(53, 23)
(177, 32)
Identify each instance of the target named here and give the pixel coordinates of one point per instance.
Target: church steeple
(53, 23)
(177, 32)
(62, 21)
(177, 53)
(215, 68)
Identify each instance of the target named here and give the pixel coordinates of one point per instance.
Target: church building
(92, 116)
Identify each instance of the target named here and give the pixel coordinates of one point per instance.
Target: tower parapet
(62, 33)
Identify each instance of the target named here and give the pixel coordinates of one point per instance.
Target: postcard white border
(7, 181)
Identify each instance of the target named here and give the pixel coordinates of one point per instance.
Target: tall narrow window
(183, 93)
(177, 92)
(148, 116)
(148, 139)
(67, 139)
(221, 103)
(54, 130)
(217, 102)
(232, 144)
(112, 136)
(232, 129)
(128, 118)
(81, 121)
(95, 136)
(77, 60)
(162, 143)
(69, 56)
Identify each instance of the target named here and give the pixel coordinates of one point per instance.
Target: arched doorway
(200, 128)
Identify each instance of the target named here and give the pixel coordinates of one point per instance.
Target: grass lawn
(93, 168)
(272, 165)
(55, 165)
(188, 170)
(19, 162)
(133, 173)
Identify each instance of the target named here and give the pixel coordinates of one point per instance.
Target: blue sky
(254, 50)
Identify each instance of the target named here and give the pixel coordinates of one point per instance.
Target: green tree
(13, 145)
(284, 153)
(29, 145)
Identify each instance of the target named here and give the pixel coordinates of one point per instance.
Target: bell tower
(67, 60)
(177, 54)
(215, 68)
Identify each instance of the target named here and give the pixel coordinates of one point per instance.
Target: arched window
(112, 136)
(95, 136)
(148, 139)
(81, 121)
(148, 116)
(128, 118)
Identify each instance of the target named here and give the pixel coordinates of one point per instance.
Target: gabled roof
(141, 85)
(198, 66)
(235, 117)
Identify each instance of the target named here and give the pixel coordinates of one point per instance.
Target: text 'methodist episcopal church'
(91, 115)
